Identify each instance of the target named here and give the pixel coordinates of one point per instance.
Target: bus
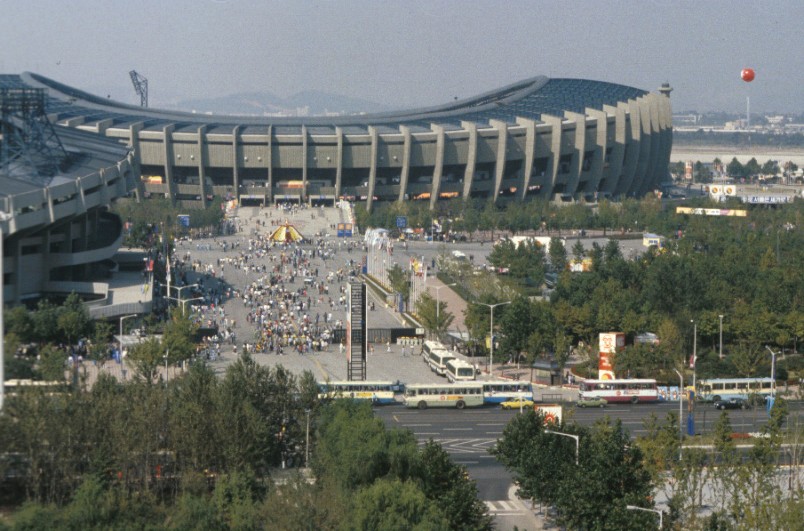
(457, 395)
(438, 361)
(499, 391)
(15, 387)
(459, 371)
(377, 392)
(630, 390)
(726, 388)
(428, 347)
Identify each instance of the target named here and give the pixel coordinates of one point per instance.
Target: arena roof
(530, 98)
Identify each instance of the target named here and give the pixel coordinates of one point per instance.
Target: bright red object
(747, 74)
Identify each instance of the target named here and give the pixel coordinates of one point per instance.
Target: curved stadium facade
(558, 139)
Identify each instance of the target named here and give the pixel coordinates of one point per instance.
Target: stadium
(559, 139)
(66, 155)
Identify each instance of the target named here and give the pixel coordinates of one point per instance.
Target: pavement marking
(324, 372)
(458, 429)
(395, 419)
(409, 425)
(492, 424)
(503, 508)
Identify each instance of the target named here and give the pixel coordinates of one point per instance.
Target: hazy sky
(411, 53)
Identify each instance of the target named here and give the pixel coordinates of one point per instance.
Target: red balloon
(747, 75)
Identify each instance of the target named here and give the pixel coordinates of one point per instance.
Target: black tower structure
(29, 145)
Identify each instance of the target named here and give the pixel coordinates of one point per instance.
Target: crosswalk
(464, 446)
(505, 508)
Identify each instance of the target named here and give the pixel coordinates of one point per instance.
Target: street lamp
(657, 511)
(773, 371)
(491, 331)
(123, 318)
(438, 300)
(307, 441)
(721, 336)
(694, 350)
(680, 412)
(577, 441)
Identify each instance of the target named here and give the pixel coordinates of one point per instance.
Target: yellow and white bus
(459, 371)
(377, 392)
(457, 395)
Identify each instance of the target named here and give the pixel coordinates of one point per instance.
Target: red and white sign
(610, 343)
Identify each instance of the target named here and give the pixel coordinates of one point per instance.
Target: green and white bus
(457, 395)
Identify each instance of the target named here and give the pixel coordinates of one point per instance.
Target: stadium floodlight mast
(491, 331)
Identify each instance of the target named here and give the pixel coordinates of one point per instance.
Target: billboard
(552, 413)
(610, 344)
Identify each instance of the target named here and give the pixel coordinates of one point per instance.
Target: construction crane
(140, 86)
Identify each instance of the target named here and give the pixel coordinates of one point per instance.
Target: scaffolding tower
(29, 145)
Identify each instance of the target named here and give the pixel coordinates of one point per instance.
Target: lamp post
(166, 356)
(721, 337)
(491, 332)
(438, 302)
(694, 350)
(307, 441)
(773, 371)
(577, 441)
(680, 412)
(657, 511)
(123, 318)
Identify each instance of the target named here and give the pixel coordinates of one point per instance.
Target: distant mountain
(307, 103)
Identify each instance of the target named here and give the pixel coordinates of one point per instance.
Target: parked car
(516, 403)
(591, 402)
(732, 403)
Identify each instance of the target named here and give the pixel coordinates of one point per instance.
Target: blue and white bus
(716, 389)
(377, 392)
(499, 391)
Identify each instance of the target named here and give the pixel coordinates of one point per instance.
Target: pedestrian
(388, 347)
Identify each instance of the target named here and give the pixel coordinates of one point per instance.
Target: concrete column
(405, 173)
(502, 147)
(270, 163)
(17, 259)
(530, 153)
(339, 164)
(438, 166)
(372, 180)
(236, 163)
(167, 143)
(471, 159)
(202, 164)
(134, 142)
(555, 153)
(49, 200)
(601, 144)
(655, 171)
(304, 163)
(633, 137)
(641, 174)
(579, 148)
(617, 157)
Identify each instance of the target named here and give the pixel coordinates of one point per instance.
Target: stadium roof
(529, 98)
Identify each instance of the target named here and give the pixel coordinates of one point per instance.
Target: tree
(558, 255)
(73, 318)
(451, 488)
(396, 506)
(436, 322)
(400, 281)
(146, 358)
(735, 168)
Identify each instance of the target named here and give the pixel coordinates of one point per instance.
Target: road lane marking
(409, 425)
(458, 429)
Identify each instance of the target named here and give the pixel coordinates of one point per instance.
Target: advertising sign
(610, 344)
